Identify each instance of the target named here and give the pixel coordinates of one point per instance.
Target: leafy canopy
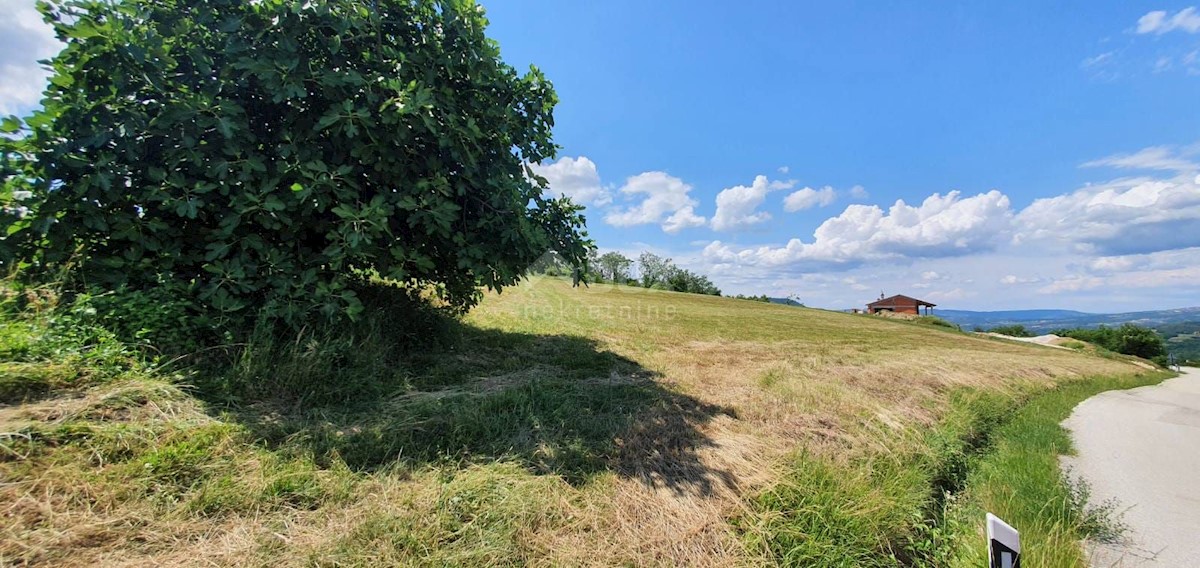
(261, 154)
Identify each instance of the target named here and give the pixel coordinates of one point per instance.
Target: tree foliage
(1130, 339)
(662, 273)
(614, 266)
(654, 269)
(263, 153)
(1014, 330)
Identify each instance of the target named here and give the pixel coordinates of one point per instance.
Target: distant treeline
(1128, 338)
(652, 271)
(1183, 340)
(763, 298)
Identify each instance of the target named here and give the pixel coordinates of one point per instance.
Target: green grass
(1020, 481)
(551, 426)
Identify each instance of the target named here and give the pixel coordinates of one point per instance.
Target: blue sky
(978, 155)
(1091, 107)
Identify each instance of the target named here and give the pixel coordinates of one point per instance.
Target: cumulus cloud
(685, 218)
(737, 206)
(1152, 158)
(1122, 217)
(665, 200)
(941, 226)
(24, 39)
(784, 170)
(1160, 22)
(576, 178)
(859, 192)
(807, 198)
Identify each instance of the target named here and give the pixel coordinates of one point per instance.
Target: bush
(1128, 339)
(257, 154)
(937, 322)
(1012, 330)
(161, 319)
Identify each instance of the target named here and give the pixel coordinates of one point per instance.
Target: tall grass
(923, 504)
(1020, 481)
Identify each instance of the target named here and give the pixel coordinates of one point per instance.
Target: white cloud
(1071, 283)
(1158, 22)
(665, 200)
(24, 39)
(1178, 277)
(1012, 279)
(1098, 60)
(941, 226)
(930, 275)
(1109, 264)
(685, 218)
(859, 192)
(576, 178)
(949, 295)
(1121, 217)
(1152, 158)
(784, 170)
(1155, 261)
(737, 206)
(854, 284)
(808, 198)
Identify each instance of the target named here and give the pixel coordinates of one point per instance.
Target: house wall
(899, 309)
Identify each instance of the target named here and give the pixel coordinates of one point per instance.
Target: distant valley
(1046, 320)
(1180, 327)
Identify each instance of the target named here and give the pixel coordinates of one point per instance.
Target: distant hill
(1180, 327)
(785, 301)
(1047, 320)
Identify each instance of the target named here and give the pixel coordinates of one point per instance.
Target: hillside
(1047, 320)
(595, 426)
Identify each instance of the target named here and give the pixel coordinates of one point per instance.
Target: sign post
(1004, 544)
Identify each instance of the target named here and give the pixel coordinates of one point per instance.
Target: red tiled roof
(900, 299)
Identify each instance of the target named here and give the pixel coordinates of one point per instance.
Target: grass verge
(922, 502)
(1020, 481)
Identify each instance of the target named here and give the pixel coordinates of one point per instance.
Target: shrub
(161, 319)
(1128, 339)
(937, 322)
(1012, 330)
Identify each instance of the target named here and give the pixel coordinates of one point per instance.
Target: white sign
(1004, 544)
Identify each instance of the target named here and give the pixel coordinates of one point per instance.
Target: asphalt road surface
(1141, 447)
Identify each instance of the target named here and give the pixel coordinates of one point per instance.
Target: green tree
(261, 154)
(1129, 339)
(683, 280)
(614, 266)
(654, 269)
(1140, 342)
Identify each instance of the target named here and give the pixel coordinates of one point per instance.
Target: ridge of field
(563, 426)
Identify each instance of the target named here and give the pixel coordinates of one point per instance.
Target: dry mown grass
(705, 404)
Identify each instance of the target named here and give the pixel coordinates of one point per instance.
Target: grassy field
(553, 426)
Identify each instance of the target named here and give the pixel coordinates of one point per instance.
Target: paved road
(1142, 448)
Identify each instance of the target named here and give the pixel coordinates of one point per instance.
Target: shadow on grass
(556, 404)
